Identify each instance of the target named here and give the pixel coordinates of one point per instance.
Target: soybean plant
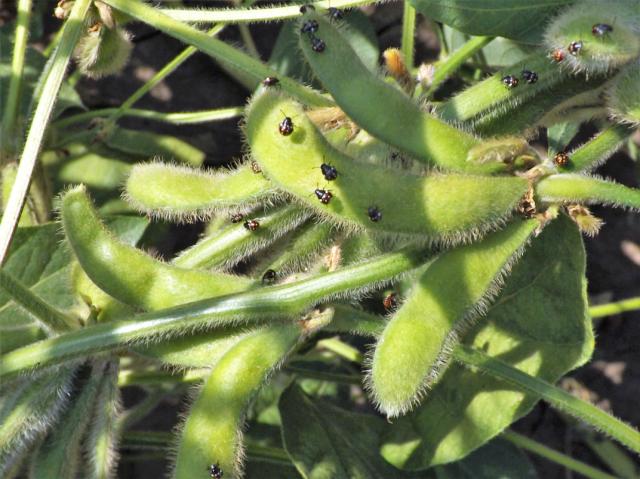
(391, 244)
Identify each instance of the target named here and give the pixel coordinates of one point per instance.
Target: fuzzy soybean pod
(128, 274)
(383, 110)
(451, 294)
(623, 96)
(212, 433)
(181, 193)
(438, 207)
(596, 39)
(573, 188)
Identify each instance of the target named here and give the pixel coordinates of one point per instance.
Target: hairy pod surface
(438, 207)
(623, 97)
(383, 110)
(597, 150)
(128, 274)
(212, 433)
(573, 188)
(181, 193)
(592, 51)
(103, 51)
(454, 290)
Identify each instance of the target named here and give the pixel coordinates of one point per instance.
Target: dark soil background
(611, 379)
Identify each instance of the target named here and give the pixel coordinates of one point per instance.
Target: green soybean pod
(383, 110)
(596, 39)
(574, 188)
(623, 96)
(128, 274)
(181, 193)
(449, 296)
(212, 433)
(438, 207)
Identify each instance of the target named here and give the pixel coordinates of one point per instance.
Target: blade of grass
(556, 397)
(60, 61)
(408, 34)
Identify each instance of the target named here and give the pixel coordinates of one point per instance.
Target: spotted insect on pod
(304, 8)
(329, 172)
(575, 47)
(269, 276)
(557, 55)
(390, 301)
(310, 26)
(374, 214)
(510, 81)
(323, 195)
(335, 13)
(318, 45)
(255, 167)
(601, 29)
(270, 81)
(251, 225)
(561, 159)
(236, 217)
(286, 126)
(215, 471)
(529, 76)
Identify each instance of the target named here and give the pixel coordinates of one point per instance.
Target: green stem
(609, 309)
(594, 152)
(247, 39)
(10, 115)
(154, 378)
(325, 376)
(273, 302)
(248, 15)
(556, 397)
(555, 456)
(341, 349)
(225, 54)
(408, 34)
(446, 68)
(60, 60)
(49, 316)
(176, 118)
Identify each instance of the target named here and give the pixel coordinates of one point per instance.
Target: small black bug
(286, 126)
(575, 48)
(323, 195)
(329, 172)
(310, 26)
(601, 29)
(251, 225)
(529, 76)
(269, 276)
(335, 13)
(270, 81)
(510, 81)
(318, 45)
(236, 217)
(303, 8)
(215, 471)
(374, 213)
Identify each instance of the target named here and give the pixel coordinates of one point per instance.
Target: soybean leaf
(522, 20)
(327, 442)
(539, 324)
(496, 459)
(560, 135)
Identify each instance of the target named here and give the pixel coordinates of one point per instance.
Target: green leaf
(327, 442)
(539, 324)
(496, 459)
(522, 20)
(560, 134)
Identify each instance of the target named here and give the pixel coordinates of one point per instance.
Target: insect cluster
(598, 30)
(310, 27)
(511, 81)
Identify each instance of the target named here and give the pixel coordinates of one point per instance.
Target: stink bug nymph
(286, 126)
(318, 45)
(270, 81)
(561, 159)
(510, 81)
(374, 213)
(323, 195)
(601, 29)
(303, 8)
(251, 225)
(237, 217)
(390, 301)
(255, 167)
(529, 76)
(329, 172)
(269, 277)
(557, 55)
(310, 26)
(335, 13)
(215, 471)
(575, 48)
